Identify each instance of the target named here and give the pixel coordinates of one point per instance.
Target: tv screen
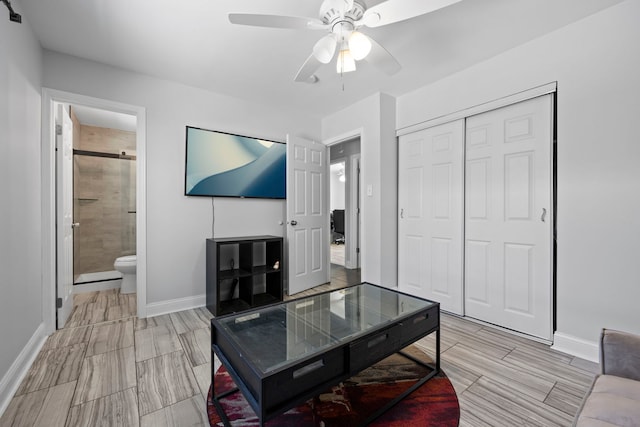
(220, 164)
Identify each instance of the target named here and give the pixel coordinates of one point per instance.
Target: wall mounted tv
(220, 164)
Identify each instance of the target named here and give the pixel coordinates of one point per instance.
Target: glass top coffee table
(283, 354)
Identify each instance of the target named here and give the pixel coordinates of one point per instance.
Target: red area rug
(351, 402)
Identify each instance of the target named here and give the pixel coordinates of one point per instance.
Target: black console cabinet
(243, 272)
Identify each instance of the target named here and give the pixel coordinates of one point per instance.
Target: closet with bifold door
(475, 223)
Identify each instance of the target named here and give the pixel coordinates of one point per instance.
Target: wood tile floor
(109, 368)
(337, 253)
(505, 380)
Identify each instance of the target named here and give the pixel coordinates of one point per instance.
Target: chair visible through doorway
(338, 225)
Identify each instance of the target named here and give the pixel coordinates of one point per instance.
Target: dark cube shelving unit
(252, 281)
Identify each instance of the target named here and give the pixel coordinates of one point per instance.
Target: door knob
(544, 215)
(294, 222)
(75, 225)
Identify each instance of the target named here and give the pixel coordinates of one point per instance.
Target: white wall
(596, 63)
(374, 119)
(337, 190)
(21, 324)
(177, 226)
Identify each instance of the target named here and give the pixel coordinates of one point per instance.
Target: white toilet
(127, 266)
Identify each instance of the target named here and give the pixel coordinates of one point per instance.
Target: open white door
(64, 214)
(307, 214)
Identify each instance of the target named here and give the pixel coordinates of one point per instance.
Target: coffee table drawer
(419, 325)
(369, 350)
(302, 377)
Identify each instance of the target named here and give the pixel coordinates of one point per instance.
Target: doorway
(344, 199)
(104, 195)
(55, 295)
(337, 185)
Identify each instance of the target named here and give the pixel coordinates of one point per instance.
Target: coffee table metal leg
(438, 349)
(414, 387)
(395, 401)
(219, 408)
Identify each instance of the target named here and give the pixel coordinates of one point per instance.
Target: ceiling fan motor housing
(331, 16)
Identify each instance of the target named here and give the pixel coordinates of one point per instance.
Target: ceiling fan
(343, 20)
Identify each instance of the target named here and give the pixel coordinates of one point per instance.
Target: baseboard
(97, 286)
(14, 376)
(179, 304)
(575, 346)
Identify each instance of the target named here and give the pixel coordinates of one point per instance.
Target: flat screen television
(220, 164)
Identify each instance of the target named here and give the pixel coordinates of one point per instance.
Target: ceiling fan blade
(308, 68)
(382, 59)
(392, 11)
(277, 21)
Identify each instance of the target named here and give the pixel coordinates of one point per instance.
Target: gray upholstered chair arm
(620, 354)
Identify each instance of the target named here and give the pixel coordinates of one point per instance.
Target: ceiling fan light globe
(359, 45)
(325, 48)
(370, 19)
(345, 63)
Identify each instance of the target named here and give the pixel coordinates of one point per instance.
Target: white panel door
(430, 249)
(307, 214)
(64, 214)
(508, 217)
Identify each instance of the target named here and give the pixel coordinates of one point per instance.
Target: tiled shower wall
(104, 198)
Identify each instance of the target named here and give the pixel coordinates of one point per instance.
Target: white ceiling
(105, 119)
(192, 42)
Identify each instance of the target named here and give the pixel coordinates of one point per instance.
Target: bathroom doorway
(104, 195)
(57, 293)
